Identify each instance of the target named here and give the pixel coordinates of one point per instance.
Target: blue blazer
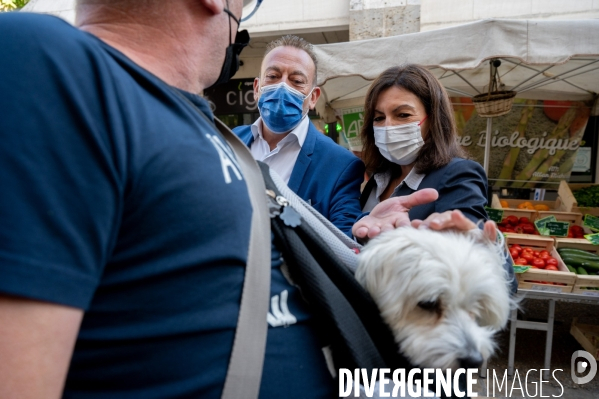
(325, 174)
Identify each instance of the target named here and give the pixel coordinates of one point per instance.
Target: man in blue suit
(321, 172)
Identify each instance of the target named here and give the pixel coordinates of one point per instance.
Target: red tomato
(528, 256)
(544, 252)
(551, 261)
(516, 246)
(523, 220)
(540, 263)
(513, 220)
(515, 254)
(527, 249)
(552, 267)
(528, 228)
(536, 254)
(521, 261)
(544, 256)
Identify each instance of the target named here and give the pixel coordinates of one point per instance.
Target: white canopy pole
(488, 145)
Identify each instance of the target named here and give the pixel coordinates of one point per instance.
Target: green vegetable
(577, 253)
(579, 262)
(581, 270)
(587, 197)
(573, 270)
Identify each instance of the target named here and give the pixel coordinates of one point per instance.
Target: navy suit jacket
(462, 184)
(325, 174)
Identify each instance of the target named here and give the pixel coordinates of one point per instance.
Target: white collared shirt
(282, 158)
(412, 180)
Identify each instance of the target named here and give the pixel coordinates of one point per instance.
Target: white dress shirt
(412, 180)
(282, 158)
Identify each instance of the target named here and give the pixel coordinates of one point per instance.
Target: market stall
(551, 69)
(546, 64)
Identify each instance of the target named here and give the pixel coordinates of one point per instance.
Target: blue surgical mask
(281, 107)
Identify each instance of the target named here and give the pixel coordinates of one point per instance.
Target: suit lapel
(303, 160)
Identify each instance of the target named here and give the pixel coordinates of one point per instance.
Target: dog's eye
(431, 306)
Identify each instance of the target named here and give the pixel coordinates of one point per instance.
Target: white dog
(444, 295)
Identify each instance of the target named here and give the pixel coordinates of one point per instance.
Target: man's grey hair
(297, 42)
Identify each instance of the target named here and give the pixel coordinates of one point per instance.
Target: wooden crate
(513, 211)
(587, 335)
(566, 199)
(584, 284)
(586, 211)
(540, 279)
(565, 202)
(571, 217)
(576, 208)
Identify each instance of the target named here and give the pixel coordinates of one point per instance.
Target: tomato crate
(587, 336)
(570, 217)
(574, 218)
(540, 279)
(584, 284)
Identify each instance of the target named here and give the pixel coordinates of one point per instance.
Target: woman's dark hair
(440, 145)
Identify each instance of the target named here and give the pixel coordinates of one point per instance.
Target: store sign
(536, 143)
(352, 120)
(234, 97)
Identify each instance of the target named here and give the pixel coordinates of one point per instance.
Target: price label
(496, 215)
(593, 238)
(592, 222)
(546, 288)
(558, 229)
(540, 224)
(520, 269)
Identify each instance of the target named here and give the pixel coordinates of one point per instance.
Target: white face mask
(400, 144)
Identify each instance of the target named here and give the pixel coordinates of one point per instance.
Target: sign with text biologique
(534, 145)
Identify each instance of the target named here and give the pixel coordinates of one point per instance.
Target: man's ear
(256, 89)
(214, 6)
(314, 97)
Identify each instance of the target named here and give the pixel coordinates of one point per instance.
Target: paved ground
(530, 351)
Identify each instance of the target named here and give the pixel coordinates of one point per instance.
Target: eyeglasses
(258, 3)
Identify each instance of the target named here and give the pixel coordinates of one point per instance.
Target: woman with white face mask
(410, 142)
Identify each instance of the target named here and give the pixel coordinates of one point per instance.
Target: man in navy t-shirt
(121, 215)
(124, 222)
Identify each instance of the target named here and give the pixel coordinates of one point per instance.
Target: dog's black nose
(473, 361)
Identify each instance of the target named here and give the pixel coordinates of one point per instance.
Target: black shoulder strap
(359, 336)
(371, 184)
